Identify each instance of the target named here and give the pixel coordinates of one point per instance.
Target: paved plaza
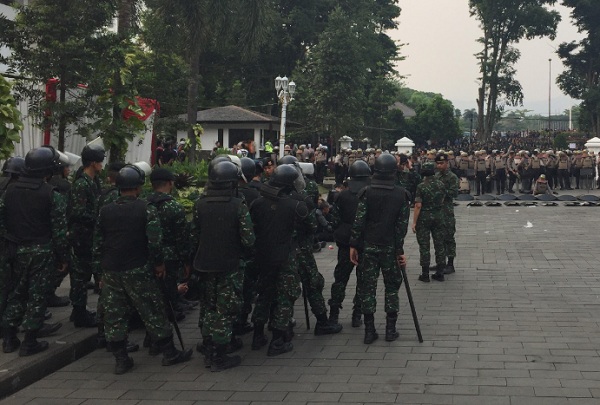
(519, 323)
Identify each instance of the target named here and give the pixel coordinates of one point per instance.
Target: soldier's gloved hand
(414, 228)
(401, 260)
(160, 271)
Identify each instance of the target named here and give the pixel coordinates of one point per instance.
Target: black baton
(412, 304)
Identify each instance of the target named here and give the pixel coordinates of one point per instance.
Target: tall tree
(505, 23)
(68, 49)
(198, 25)
(581, 79)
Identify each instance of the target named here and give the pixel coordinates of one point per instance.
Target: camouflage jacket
(451, 184)
(175, 228)
(430, 193)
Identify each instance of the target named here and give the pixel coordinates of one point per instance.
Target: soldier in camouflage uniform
(61, 185)
(222, 230)
(451, 184)
(276, 216)
(248, 264)
(427, 220)
(33, 219)
(381, 221)
(175, 230)
(313, 281)
(12, 169)
(82, 215)
(128, 251)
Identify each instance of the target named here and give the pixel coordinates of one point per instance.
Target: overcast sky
(441, 41)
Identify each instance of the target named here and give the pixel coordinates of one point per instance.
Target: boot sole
(126, 369)
(368, 342)
(182, 358)
(42, 346)
(392, 338)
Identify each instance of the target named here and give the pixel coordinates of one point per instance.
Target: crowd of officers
(248, 249)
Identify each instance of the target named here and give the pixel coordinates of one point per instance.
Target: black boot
(124, 362)
(206, 348)
(101, 338)
(450, 266)
(370, 332)
(325, 327)
(259, 339)
(234, 345)
(31, 345)
(424, 276)
(391, 333)
(356, 321)
(82, 318)
(55, 301)
(278, 344)
(171, 355)
(11, 342)
(219, 361)
(48, 329)
(241, 325)
(334, 312)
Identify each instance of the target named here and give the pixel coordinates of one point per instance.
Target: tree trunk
(192, 102)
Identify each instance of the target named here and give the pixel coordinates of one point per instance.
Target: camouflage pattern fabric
(32, 270)
(312, 280)
(431, 194)
(108, 196)
(128, 290)
(83, 212)
(278, 288)
(251, 273)
(374, 260)
(409, 180)
(341, 275)
(221, 297)
(451, 184)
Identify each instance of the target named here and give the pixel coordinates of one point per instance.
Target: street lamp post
(549, 94)
(285, 92)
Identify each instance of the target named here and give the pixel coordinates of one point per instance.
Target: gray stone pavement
(517, 324)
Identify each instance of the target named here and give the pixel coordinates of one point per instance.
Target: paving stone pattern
(518, 324)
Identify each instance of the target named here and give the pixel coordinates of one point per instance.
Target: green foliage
(71, 49)
(561, 141)
(10, 120)
(581, 79)
(505, 23)
(435, 121)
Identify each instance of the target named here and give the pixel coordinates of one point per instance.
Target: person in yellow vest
(480, 172)
(500, 172)
(563, 171)
(586, 173)
(268, 147)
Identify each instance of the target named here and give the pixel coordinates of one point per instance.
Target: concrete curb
(22, 371)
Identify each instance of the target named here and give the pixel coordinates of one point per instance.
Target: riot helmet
(359, 168)
(248, 169)
(14, 165)
(223, 172)
(217, 159)
(284, 176)
(130, 176)
(287, 160)
(40, 161)
(385, 164)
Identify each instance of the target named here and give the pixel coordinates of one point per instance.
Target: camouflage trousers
(341, 275)
(251, 272)
(8, 276)
(430, 223)
(80, 273)
(376, 259)
(26, 303)
(449, 225)
(220, 298)
(313, 282)
(126, 291)
(278, 289)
